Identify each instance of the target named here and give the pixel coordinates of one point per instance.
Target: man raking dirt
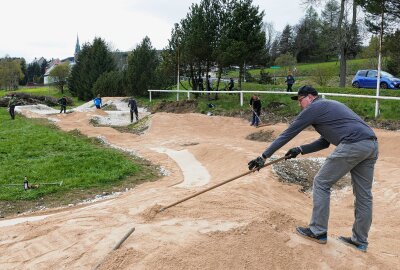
(356, 152)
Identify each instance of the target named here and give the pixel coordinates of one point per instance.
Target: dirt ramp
(183, 106)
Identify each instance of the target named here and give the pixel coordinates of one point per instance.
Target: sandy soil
(246, 224)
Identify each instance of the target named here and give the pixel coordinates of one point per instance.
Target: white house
(55, 62)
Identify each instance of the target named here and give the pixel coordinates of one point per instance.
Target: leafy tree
(371, 51)
(142, 67)
(343, 37)
(393, 48)
(382, 16)
(110, 84)
(10, 73)
(93, 60)
(286, 60)
(321, 75)
(346, 35)
(59, 75)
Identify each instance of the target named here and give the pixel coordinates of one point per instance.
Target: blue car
(367, 79)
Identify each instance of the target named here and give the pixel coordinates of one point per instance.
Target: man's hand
(257, 163)
(293, 152)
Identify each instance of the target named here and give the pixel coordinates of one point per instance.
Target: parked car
(367, 79)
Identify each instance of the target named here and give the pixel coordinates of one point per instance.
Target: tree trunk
(193, 79)
(240, 77)
(218, 80)
(342, 46)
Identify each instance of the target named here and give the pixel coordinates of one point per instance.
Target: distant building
(54, 62)
(40, 61)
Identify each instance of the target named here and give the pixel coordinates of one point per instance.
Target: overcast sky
(48, 28)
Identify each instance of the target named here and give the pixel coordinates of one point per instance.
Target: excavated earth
(245, 224)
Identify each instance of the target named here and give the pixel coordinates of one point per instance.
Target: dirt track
(246, 224)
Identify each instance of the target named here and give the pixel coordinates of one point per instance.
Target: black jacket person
(255, 104)
(63, 103)
(133, 105)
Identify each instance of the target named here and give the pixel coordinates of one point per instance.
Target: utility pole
(378, 81)
(177, 77)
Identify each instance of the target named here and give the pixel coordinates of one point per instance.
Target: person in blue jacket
(289, 81)
(356, 152)
(97, 102)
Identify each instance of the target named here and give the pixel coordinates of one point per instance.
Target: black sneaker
(351, 243)
(307, 233)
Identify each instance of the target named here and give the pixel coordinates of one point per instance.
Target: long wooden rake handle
(222, 183)
(116, 246)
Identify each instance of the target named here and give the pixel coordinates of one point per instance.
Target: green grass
(45, 154)
(331, 68)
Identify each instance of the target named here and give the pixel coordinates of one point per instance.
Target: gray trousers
(359, 159)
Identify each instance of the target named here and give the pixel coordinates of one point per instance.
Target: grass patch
(304, 69)
(44, 154)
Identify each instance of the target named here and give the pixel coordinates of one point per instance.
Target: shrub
(110, 84)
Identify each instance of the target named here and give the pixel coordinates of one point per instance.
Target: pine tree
(142, 66)
(93, 60)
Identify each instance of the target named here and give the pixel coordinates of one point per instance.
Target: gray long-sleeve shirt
(334, 121)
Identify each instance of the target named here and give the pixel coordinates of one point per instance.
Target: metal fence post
(241, 99)
(150, 95)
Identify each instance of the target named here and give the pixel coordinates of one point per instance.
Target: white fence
(188, 92)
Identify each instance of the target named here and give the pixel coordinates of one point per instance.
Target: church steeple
(77, 48)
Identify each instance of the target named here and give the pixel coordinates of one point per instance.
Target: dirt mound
(28, 99)
(183, 106)
(302, 172)
(275, 105)
(261, 136)
(384, 124)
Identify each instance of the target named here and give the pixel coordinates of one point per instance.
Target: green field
(44, 154)
(303, 69)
